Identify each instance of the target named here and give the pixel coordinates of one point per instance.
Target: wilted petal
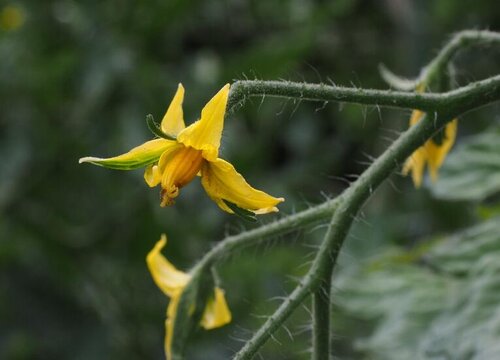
(140, 156)
(222, 182)
(173, 121)
(205, 134)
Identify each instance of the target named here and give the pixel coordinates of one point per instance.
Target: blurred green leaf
(442, 303)
(472, 171)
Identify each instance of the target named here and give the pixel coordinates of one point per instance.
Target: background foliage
(78, 78)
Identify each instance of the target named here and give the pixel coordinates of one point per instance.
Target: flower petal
(205, 134)
(153, 173)
(416, 164)
(416, 115)
(173, 121)
(437, 153)
(169, 324)
(170, 280)
(216, 312)
(222, 182)
(140, 156)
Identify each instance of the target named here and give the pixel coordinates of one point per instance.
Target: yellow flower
(172, 283)
(431, 152)
(174, 163)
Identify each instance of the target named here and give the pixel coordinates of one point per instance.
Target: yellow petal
(216, 313)
(222, 182)
(170, 280)
(205, 134)
(437, 153)
(153, 173)
(140, 156)
(416, 115)
(173, 121)
(416, 164)
(169, 324)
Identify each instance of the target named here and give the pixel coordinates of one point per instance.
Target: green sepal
(155, 128)
(190, 310)
(242, 213)
(138, 157)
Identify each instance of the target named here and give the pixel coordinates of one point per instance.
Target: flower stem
(265, 232)
(479, 92)
(321, 306)
(349, 203)
(354, 197)
(440, 109)
(438, 65)
(459, 41)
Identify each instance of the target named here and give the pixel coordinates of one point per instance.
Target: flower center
(179, 170)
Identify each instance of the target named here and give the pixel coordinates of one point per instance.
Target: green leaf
(155, 128)
(242, 213)
(442, 304)
(472, 171)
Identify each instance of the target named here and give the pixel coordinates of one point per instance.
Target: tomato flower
(191, 151)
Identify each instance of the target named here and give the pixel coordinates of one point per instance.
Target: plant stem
(440, 108)
(427, 102)
(437, 66)
(354, 197)
(349, 203)
(459, 41)
(321, 305)
(279, 227)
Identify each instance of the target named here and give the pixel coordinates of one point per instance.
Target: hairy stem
(279, 227)
(321, 321)
(440, 108)
(349, 204)
(459, 41)
(427, 102)
(438, 65)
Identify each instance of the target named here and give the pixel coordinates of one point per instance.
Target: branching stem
(440, 109)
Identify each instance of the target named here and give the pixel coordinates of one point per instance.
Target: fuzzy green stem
(428, 102)
(282, 226)
(458, 102)
(440, 107)
(438, 65)
(459, 41)
(321, 305)
(349, 203)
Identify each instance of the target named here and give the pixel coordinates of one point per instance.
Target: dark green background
(78, 78)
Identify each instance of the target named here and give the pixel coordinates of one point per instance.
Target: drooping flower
(172, 283)
(195, 151)
(431, 153)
